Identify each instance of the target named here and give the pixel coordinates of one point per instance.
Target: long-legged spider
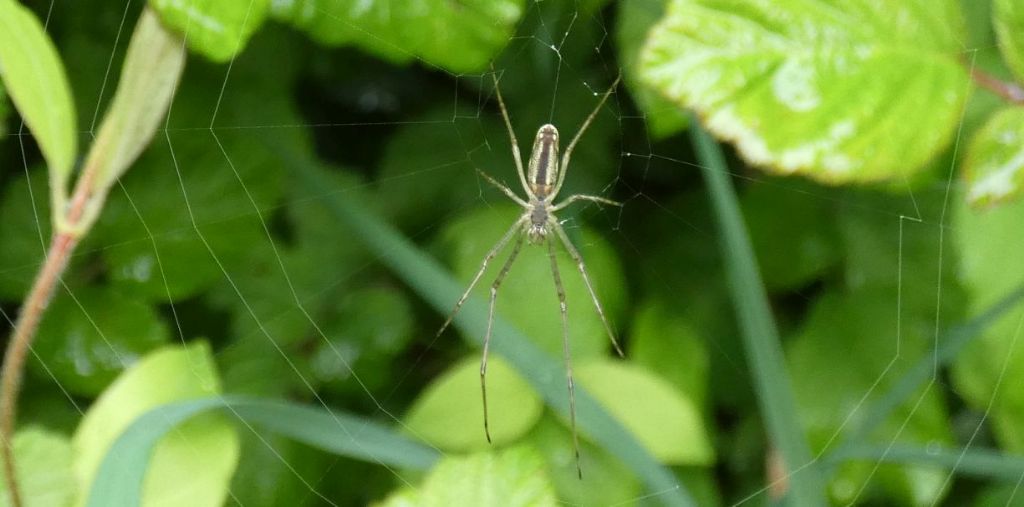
(541, 182)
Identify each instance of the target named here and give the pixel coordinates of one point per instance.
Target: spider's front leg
(579, 197)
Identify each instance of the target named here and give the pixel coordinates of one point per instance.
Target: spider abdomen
(543, 169)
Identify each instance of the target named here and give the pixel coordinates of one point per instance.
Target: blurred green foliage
(214, 269)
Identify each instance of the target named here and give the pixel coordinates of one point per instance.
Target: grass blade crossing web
(952, 342)
(980, 463)
(757, 325)
(119, 479)
(546, 374)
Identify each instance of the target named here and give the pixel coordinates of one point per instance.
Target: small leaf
(986, 371)
(449, 412)
(43, 461)
(190, 466)
(1008, 18)
(458, 36)
(995, 159)
(661, 340)
(607, 481)
(86, 340)
(512, 477)
(667, 422)
(217, 29)
(150, 74)
(834, 91)
(792, 231)
(34, 76)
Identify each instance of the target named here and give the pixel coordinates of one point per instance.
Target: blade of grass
(760, 336)
(119, 479)
(546, 374)
(952, 342)
(982, 463)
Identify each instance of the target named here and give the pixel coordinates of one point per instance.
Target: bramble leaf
(841, 92)
(217, 29)
(995, 159)
(1008, 18)
(458, 36)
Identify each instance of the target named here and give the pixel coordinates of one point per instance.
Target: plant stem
(760, 336)
(62, 245)
(1008, 90)
(31, 313)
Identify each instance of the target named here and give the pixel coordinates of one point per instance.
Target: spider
(542, 180)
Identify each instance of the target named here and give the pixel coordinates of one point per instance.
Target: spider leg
(490, 324)
(586, 280)
(483, 267)
(508, 191)
(578, 197)
(511, 133)
(566, 353)
(579, 134)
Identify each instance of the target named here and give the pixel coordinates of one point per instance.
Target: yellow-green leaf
(514, 477)
(449, 413)
(996, 158)
(217, 29)
(149, 77)
(34, 76)
(666, 421)
(852, 91)
(191, 465)
(1008, 18)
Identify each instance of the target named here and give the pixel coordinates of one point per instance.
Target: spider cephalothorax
(542, 180)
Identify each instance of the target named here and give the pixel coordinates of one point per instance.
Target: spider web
(566, 54)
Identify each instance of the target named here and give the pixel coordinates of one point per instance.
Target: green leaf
(995, 159)
(793, 233)
(665, 420)
(35, 80)
(459, 37)
(119, 479)
(984, 371)
(834, 91)
(512, 477)
(43, 461)
(192, 465)
(856, 330)
(369, 328)
(89, 335)
(217, 29)
(530, 281)
(607, 481)
(635, 19)
(1008, 19)
(149, 77)
(25, 231)
(449, 413)
(661, 341)
(5, 110)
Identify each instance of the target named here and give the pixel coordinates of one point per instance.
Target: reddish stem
(31, 313)
(1008, 90)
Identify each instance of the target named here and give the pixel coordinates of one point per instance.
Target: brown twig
(1008, 90)
(62, 245)
(31, 313)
